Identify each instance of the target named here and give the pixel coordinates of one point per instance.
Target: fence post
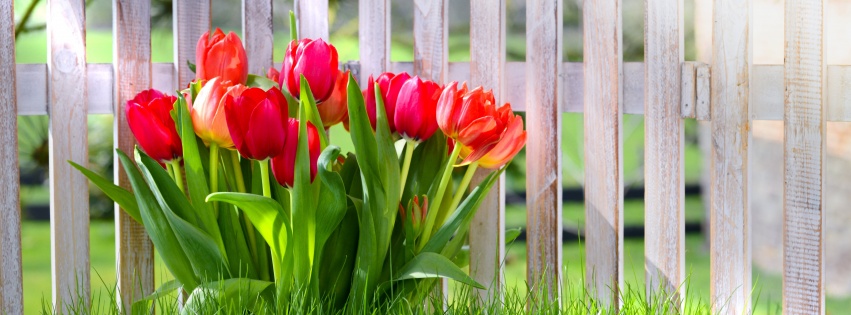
(664, 240)
(602, 52)
(312, 18)
(804, 145)
(11, 280)
(487, 68)
(374, 30)
(191, 20)
(134, 251)
(730, 244)
(257, 32)
(69, 194)
(543, 146)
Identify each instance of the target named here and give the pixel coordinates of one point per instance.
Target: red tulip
(207, 111)
(416, 104)
(390, 84)
(256, 121)
(283, 164)
(273, 74)
(149, 117)
(222, 56)
(471, 118)
(512, 141)
(335, 108)
(317, 61)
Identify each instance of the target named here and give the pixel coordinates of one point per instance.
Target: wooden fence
(730, 91)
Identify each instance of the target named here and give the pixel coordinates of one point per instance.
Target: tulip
(471, 118)
(149, 117)
(512, 141)
(207, 111)
(256, 121)
(317, 61)
(416, 104)
(222, 56)
(335, 108)
(283, 165)
(273, 74)
(390, 84)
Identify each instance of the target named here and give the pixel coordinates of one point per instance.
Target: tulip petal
(151, 133)
(266, 136)
(511, 142)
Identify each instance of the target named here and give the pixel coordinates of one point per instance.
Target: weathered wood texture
(11, 278)
(702, 88)
(69, 194)
(487, 68)
(374, 28)
(543, 146)
(191, 20)
(257, 34)
(687, 90)
(312, 18)
(603, 57)
(431, 24)
(134, 252)
(804, 146)
(730, 245)
(664, 235)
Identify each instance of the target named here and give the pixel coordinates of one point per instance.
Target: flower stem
(468, 176)
(240, 187)
(406, 165)
(178, 174)
(431, 215)
(214, 167)
(264, 177)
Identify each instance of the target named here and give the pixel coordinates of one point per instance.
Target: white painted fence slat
(543, 145)
(487, 63)
(312, 18)
(603, 149)
(69, 194)
(431, 49)
(134, 252)
(804, 147)
(374, 34)
(11, 279)
(704, 93)
(257, 34)
(730, 245)
(664, 209)
(688, 90)
(191, 20)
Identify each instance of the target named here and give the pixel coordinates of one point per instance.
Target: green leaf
(429, 156)
(332, 209)
(165, 289)
(312, 112)
(123, 197)
(158, 227)
(236, 294)
(511, 235)
(338, 258)
(205, 254)
(432, 265)
(260, 81)
(190, 65)
(265, 213)
(304, 198)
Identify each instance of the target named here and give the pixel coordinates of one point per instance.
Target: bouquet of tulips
(354, 228)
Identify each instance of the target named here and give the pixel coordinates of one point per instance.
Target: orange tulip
(471, 119)
(512, 141)
(335, 108)
(208, 112)
(222, 56)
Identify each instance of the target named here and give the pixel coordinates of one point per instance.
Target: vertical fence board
(603, 148)
(191, 20)
(543, 145)
(730, 244)
(312, 18)
(431, 25)
(374, 29)
(11, 279)
(804, 144)
(257, 33)
(487, 68)
(132, 61)
(664, 236)
(69, 194)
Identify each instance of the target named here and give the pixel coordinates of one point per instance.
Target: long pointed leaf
(123, 197)
(431, 265)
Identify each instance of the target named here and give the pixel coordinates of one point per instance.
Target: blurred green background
(31, 48)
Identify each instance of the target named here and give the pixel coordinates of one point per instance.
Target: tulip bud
(334, 109)
(390, 84)
(207, 111)
(149, 118)
(257, 122)
(222, 56)
(283, 165)
(416, 104)
(317, 61)
(416, 213)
